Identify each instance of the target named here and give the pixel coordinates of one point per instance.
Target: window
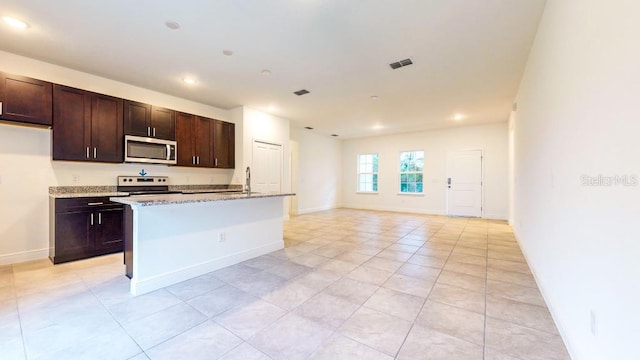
(411, 166)
(368, 173)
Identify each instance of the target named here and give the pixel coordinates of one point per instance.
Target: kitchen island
(175, 237)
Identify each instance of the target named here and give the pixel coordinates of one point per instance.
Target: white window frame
(400, 173)
(361, 171)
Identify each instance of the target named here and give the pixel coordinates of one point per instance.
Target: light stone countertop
(87, 194)
(170, 199)
(68, 192)
(84, 191)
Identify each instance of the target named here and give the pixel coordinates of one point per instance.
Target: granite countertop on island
(170, 199)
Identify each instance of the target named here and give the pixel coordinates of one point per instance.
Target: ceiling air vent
(301, 92)
(308, 127)
(334, 135)
(401, 63)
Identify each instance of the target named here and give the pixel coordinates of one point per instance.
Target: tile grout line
(15, 299)
(486, 290)
(428, 295)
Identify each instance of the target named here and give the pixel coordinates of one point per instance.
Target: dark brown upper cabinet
(224, 144)
(147, 120)
(25, 100)
(87, 126)
(194, 135)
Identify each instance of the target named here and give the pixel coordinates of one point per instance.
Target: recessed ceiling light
(265, 72)
(19, 24)
(227, 52)
(377, 127)
(172, 25)
(374, 97)
(272, 108)
(458, 117)
(189, 80)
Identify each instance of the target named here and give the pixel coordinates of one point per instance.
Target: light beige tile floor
(350, 284)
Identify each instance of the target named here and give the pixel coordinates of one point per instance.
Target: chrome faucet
(247, 184)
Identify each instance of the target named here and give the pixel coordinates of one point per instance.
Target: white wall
(578, 116)
(316, 171)
(262, 126)
(26, 169)
(492, 139)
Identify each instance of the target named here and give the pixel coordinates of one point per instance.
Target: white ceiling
(468, 55)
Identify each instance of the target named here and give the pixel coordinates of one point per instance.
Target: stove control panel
(143, 180)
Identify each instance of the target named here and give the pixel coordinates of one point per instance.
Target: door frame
(447, 173)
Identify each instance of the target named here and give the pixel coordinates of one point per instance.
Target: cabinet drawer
(66, 204)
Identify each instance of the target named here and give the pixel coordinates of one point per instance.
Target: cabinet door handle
(91, 219)
(148, 131)
(193, 160)
(216, 162)
(99, 218)
(87, 152)
(0, 107)
(94, 203)
(154, 132)
(95, 153)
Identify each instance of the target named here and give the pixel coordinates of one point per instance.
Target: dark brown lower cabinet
(84, 227)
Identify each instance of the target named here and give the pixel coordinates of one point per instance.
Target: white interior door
(266, 169)
(464, 183)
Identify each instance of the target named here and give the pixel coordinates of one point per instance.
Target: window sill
(411, 194)
(367, 192)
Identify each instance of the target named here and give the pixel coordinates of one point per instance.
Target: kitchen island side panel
(173, 243)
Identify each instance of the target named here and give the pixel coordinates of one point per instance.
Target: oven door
(140, 149)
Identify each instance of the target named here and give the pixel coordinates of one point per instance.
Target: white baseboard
(6, 259)
(493, 216)
(139, 287)
(543, 292)
(316, 209)
(496, 216)
(396, 209)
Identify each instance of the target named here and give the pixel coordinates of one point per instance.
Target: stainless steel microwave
(139, 149)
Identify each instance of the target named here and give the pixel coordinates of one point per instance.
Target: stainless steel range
(145, 185)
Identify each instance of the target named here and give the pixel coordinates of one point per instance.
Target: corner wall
(492, 139)
(316, 171)
(576, 191)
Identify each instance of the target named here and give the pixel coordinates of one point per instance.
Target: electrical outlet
(76, 178)
(187, 179)
(593, 323)
(222, 236)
